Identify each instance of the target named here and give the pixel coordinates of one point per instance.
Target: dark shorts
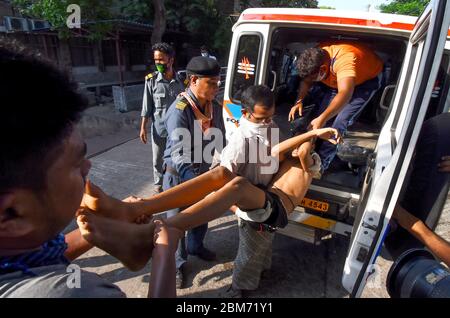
(277, 219)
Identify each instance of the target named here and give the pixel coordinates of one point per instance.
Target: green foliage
(407, 7)
(137, 10)
(203, 19)
(290, 3)
(55, 12)
(326, 7)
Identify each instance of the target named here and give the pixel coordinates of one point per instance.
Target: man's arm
(76, 245)
(346, 86)
(283, 147)
(437, 245)
(329, 134)
(162, 277)
(304, 87)
(143, 132)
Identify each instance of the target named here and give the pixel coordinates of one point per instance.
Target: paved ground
(299, 269)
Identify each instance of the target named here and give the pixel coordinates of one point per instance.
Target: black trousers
(426, 181)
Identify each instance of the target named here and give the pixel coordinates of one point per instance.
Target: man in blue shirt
(195, 128)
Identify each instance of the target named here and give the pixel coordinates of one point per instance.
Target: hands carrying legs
(116, 226)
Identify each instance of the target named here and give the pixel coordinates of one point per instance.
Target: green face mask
(161, 68)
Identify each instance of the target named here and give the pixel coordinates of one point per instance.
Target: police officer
(190, 122)
(161, 89)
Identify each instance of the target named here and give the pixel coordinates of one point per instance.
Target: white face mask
(256, 128)
(205, 54)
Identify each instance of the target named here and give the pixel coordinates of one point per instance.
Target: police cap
(203, 66)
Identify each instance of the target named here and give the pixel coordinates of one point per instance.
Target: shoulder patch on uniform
(181, 105)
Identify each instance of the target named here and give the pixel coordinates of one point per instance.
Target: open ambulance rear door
(396, 144)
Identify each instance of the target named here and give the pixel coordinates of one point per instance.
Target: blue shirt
(159, 94)
(185, 155)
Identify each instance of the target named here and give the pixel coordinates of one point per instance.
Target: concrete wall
(92, 76)
(79, 71)
(128, 98)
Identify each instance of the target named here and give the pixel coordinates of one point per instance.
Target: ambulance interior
(347, 172)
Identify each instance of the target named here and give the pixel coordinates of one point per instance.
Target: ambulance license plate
(315, 205)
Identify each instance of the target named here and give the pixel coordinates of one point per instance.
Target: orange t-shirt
(351, 60)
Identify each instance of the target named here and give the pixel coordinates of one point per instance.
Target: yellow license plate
(315, 205)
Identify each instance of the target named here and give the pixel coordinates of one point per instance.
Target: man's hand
(298, 108)
(132, 198)
(329, 134)
(316, 123)
(167, 235)
(143, 219)
(444, 166)
(143, 135)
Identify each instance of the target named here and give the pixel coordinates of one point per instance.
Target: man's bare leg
(239, 192)
(131, 243)
(184, 194)
(103, 232)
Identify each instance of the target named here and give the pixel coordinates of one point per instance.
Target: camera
(417, 274)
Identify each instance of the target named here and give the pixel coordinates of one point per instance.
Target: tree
(326, 7)
(137, 10)
(159, 21)
(55, 12)
(202, 19)
(407, 7)
(289, 3)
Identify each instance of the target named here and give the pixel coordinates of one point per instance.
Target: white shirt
(247, 153)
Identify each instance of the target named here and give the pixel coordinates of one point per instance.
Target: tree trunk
(159, 22)
(65, 58)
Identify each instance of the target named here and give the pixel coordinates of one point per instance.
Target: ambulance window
(246, 64)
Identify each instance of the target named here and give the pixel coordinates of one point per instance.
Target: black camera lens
(417, 274)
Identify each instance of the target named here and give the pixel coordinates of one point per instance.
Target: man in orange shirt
(339, 79)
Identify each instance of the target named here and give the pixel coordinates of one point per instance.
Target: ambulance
(356, 202)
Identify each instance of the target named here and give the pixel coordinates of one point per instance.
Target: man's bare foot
(99, 202)
(132, 244)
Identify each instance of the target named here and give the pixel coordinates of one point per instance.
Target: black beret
(203, 66)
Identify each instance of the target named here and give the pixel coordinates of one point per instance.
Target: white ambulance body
(416, 54)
